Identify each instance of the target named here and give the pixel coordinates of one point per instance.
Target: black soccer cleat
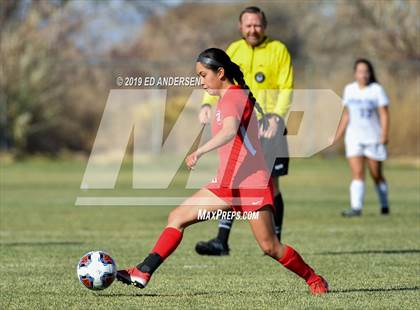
(385, 211)
(351, 213)
(212, 247)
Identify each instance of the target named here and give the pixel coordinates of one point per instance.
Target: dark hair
(254, 10)
(372, 76)
(214, 58)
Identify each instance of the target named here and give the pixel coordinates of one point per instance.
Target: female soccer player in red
(242, 182)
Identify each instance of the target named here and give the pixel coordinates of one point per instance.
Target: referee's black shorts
(274, 148)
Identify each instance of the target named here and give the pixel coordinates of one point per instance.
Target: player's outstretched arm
(227, 133)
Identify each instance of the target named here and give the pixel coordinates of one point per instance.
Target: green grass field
(372, 262)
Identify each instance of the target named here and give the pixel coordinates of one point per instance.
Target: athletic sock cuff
(295, 263)
(287, 255)
(167, 242)
(227, 224)
(150, 264)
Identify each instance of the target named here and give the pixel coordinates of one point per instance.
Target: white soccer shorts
(374, 151)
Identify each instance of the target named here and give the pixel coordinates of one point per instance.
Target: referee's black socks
(279, 213)
(224, 231)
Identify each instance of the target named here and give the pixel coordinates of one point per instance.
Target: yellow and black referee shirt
(268, 72)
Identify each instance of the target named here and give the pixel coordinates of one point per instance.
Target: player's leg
(357, 186)
(263, 231)
(217, 246)
(181, 217)
(278, 207)
(375, 169)
(277, 147)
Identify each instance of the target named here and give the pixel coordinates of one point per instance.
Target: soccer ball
(96, 270)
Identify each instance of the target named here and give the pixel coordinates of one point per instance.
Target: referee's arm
(209, 99)
(205, 112)
(284, 84)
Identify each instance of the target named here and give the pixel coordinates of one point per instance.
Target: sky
(115, 21)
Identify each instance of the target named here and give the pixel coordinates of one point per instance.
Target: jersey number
(366, 113)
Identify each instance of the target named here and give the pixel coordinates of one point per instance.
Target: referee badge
(259, 77)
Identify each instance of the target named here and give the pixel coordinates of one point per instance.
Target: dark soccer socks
(278, 215)
(166, 244)
(150, 263)
(224, 231)
(219, 245)
(382, 190)
(140, 275)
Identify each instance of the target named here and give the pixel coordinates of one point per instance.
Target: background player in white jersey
(365, 122)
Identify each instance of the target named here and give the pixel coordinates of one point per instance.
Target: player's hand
(261, 131)
(205, 114)
(271, 130)
(384, 140)
(332, 140)
(192, 159)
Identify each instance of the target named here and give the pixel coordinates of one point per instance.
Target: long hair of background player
(372, 76)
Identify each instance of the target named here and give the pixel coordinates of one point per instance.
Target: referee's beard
(254, 40)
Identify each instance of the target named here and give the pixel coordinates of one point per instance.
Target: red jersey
(241, 161)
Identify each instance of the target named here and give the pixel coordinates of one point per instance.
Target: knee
(175, 219)
(270, 248)
(358, 174)
(377, 178)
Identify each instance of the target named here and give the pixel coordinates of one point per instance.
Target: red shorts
(245, 199)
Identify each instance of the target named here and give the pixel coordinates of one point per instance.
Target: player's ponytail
(214, 58)
(238, 76)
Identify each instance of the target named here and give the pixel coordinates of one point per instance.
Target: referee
(268, 72)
